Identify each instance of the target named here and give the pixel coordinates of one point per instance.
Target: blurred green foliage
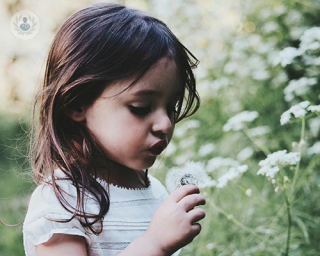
(15, 182)
(238, 223)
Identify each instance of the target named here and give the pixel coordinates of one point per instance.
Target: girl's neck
(122, 176)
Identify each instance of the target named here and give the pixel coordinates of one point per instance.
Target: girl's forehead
(161, 77)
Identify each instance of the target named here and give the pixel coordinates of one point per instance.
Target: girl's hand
(174, 224)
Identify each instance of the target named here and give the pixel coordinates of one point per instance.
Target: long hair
(93, 48)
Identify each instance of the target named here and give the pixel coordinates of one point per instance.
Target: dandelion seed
(189, 173)
(238, 121)
(271, 165)
(298, 110)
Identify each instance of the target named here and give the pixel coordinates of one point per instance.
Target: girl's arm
(62, 244)
(172, 227)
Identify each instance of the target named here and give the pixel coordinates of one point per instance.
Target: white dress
(128, 217)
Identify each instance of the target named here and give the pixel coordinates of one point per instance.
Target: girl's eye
(140, 111)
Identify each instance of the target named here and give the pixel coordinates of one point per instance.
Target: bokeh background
(242, 68)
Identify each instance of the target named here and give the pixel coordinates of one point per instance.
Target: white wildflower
(220, 162)
(245, 153)
(314, 125)
(248, 192)
(271, 165)
(310, 40)
(286, 56)
(298, 110)
(298, 87)
(238, 121)
(233, 173)
(270, 26)
(315, 149)
(206, 149)
(210, 246)
(221, 83)
(315, 108)
(181, 130)
(259, 131)
(189, 173)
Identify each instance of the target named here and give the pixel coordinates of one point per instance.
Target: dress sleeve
(40, 225)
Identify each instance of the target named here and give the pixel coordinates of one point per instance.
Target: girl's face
(134, 126)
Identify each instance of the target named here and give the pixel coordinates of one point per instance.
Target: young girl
(116, 82)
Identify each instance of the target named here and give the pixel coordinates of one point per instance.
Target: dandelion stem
(301, 143)
(262, 148)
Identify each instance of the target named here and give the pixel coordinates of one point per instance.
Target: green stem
(289, 226)
(237, 222)
(262, 148)
(301, 143)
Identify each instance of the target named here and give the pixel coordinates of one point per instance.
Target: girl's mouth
(157, 148)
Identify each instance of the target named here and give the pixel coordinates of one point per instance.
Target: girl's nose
(162, 123)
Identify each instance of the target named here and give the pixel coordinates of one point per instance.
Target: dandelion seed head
(189, 173)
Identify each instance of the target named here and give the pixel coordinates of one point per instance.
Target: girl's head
(103, 51)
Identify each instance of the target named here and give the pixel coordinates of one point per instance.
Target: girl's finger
(191, 201)
(196, 214)
(183, 191)
(196, 228)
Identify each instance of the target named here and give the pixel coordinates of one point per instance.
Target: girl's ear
(76, 114)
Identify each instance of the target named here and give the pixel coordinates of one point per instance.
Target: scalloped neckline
(105, 184)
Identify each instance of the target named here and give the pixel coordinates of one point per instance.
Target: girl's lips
(157, 148)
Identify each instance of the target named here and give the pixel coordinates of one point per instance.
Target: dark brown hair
(94, 47)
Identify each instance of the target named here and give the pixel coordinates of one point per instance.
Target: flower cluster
(233, 173)
(309, 42)
(298, 87)
(271, 165)
(238, 121)
(298, 110)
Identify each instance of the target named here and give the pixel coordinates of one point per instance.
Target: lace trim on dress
(105, 184)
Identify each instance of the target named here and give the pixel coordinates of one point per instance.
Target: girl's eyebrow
(144, 92)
